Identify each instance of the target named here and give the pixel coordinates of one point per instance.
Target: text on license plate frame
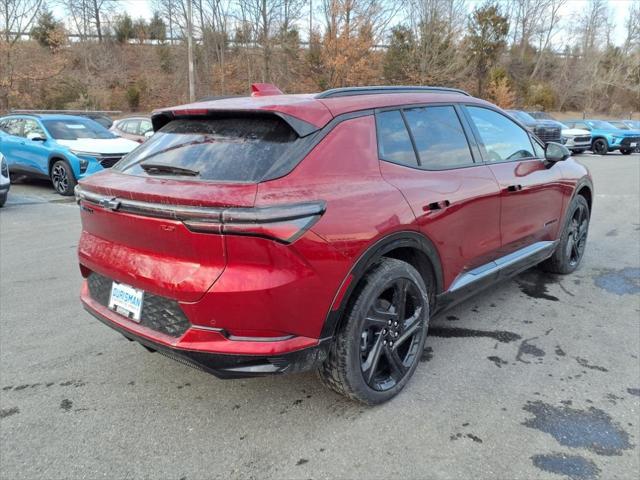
(127, 300)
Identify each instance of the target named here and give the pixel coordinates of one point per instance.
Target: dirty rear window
(224, 149)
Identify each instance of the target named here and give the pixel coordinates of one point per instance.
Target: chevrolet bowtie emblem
(110, 203)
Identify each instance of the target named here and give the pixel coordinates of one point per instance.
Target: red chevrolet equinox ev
(281, 233)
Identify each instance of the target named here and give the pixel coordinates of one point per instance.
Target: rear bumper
(224, 365)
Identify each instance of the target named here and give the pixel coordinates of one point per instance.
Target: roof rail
(352, 91)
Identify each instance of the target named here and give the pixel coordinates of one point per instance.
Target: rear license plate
(126, 301)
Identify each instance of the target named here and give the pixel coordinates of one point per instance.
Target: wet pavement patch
(620, 282)
(559, 351)
(66, 404)
(497, 361)
(592, 429)
(427, 354)
(451, 332)
(585, 363)
(572, 466)
(530, 349)
(634, 391)
(7, 412)
(533, 283)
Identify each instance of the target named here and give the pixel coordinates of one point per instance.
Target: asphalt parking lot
(538, 378)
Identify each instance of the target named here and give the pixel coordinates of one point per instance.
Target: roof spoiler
(160, 118)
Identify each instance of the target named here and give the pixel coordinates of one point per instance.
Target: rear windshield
(73, 129)
(224, 149)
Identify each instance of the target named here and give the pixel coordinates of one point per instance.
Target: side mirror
(148, 134)
(555, 152)
(36, 137)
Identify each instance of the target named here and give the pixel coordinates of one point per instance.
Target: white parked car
(5, 184)
(575, 139)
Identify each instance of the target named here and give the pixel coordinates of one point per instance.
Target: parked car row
(65, 148)
(599, 136)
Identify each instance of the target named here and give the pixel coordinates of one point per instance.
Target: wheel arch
(409, 246)
(53, 158)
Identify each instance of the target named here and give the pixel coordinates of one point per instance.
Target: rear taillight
(284, 223)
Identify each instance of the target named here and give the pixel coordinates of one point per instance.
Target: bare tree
(437, 28)
(89, 16)
(264, 16)
(17, 17)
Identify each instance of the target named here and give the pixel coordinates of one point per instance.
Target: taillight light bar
(284, 223)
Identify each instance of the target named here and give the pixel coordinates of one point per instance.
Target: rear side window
(224, 149)
(394, 143)
(12, 126)
(439, 137)
(130, 126)
(502, 138)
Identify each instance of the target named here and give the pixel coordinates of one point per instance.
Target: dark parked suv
(545, 129)
(280, 233)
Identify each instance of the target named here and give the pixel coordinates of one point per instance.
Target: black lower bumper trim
(231, 366)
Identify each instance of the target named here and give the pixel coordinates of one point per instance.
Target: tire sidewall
(354, 326)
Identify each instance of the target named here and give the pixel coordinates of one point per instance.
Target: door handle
(514, 188)
(436, 206)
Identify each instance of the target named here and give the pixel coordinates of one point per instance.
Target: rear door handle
(514, 188)
(436, 206)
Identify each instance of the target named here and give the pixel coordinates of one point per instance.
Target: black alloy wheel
(600, 146)
(391, 334)
(378, 345)
(577, 236)
(62, 178)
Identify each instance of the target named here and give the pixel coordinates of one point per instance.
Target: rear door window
(439, 137)
(235, 149)
(394, 142)
(502, 138)
(12, 126)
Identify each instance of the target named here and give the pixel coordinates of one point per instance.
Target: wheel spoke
(378, 318)
(411, 330)
(397, 367)
(370, 365)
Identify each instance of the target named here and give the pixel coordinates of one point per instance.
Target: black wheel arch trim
(54, 157)
(371, 255)
(580, 184)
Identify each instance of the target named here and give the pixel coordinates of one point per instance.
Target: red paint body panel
(467, 232)
(249, 286)
(532, 213)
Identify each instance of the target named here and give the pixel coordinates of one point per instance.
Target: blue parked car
(63, 148)
(606, 137)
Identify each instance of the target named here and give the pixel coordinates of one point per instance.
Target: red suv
(280, 233)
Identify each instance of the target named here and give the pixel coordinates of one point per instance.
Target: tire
(62, 177)
(600, 146)
(625, 151)
(568, 254)
(3, 199)
(374, 354)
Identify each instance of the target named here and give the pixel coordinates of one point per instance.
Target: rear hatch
(155, 221)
